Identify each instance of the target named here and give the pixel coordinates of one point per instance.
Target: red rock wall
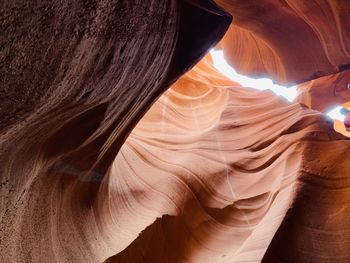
(76, 78)
(214, 168)
(212, 172)
(290, 41)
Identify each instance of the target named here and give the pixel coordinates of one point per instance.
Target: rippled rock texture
(76, 78)
(290, 40)
(109, 154)
(230, 162)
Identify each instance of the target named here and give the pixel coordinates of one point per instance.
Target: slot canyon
(122, 140)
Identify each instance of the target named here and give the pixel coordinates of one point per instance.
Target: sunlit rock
(122, 140)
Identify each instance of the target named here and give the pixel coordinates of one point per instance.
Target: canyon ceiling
(121, 142)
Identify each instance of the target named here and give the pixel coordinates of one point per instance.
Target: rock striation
(290, 41)
(76, 76)
(120, 142)
(215, 168)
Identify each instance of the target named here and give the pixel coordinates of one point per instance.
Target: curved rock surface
(75, 79)
(291, 41)
(213, 168)
(213, 172)
(325, 93)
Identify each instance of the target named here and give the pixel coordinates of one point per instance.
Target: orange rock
(288, 41)
(325, 93)
(100, 161)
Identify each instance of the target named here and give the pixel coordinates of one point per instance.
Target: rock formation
(227, 175)
(76, 78)
(111, 152)
(325, 93)
(289, 40)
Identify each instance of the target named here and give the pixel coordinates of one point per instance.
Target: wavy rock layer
(213, 167)
(289, 41)
(214, 172)
(76, 78)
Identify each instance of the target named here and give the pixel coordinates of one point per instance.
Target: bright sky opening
(263, 83)
(260, 84)
(335, 114)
